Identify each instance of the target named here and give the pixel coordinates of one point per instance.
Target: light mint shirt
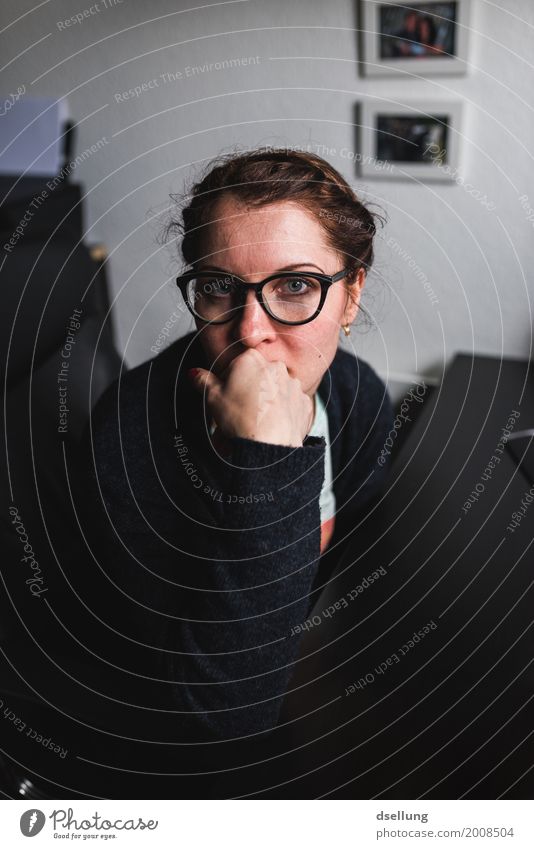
(327, 501)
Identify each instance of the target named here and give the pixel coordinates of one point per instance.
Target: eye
(297, 286)
(216, 287)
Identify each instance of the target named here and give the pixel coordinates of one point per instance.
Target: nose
(252, 325)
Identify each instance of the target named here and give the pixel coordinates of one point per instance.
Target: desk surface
(420, 683)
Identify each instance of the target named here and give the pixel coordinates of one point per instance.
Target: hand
(257, 399)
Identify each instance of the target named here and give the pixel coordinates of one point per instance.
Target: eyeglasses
(290, 297)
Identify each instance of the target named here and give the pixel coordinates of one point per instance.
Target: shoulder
(356, 370)
(359, 391)
(127, 397)
(130, 416)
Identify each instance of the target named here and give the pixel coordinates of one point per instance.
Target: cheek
(216, 342)
(323, 333)
(315, 350)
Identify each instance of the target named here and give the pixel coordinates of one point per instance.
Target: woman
(249, 448)
(427, 36)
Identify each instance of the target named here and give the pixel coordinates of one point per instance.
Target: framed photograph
(419, 38)
(420, 140)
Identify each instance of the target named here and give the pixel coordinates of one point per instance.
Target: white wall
(302, 90)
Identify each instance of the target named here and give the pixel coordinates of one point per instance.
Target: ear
(353, 297)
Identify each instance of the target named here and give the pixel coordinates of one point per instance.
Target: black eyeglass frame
(326, 280)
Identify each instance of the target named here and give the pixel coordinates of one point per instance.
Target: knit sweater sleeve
(253, 586)
(229, 565)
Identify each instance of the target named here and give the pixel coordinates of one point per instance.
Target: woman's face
(253, 243)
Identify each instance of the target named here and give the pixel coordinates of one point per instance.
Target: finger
(202, 379)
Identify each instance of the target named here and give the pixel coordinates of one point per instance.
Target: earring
(346, 329)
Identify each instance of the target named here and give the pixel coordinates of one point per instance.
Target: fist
(257, 399)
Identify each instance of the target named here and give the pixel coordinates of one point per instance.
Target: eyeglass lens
(288, 298)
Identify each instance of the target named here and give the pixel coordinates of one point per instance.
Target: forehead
(268, 236)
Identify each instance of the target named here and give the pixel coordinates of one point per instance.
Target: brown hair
(268, 175)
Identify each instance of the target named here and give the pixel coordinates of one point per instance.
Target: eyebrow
(296, 265)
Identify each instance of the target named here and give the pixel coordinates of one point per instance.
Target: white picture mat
(374, 65)
(370, 166)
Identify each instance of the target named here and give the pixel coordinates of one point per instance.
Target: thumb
(203, 379)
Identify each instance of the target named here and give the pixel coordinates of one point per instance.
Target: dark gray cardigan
(215, 560)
